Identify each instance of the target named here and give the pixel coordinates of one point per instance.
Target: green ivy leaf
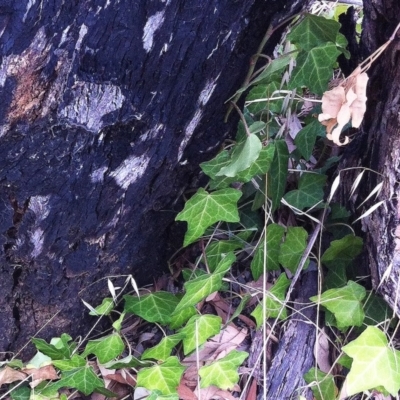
(260, 92)
(164, 377)
(152, 307)
(345, 303)
(74, 362)
(376, 310)
(242, 157)
(342, 252)
(205, 209)
(273, 302)
(48, 349)
(104, 308)
(198, 329)
(199, 288)
(306, 137)
(21, 393)
(314, 31)
(277, 175)
(223, 373)
(314, 68)
(106, 348)
(83, 379)
(322, 384)
(272, 68)
(179, 318)
(274, 239)
(293, 248)
(163, 349)
(215, 251)
(309, 193)
(375, 363)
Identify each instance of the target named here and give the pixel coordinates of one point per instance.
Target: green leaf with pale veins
(375, 363)
(164, 377)
(163, 350)
(314, 68)
(223, 373)
(48, 349)
(345, 303)
(205, 209)
(83, 379)
(277, 175)
(274, 239)
(293, 248)
(309, 193)
(104, 308)
(242, 157)
(212, 167)
(215, 251)
(342, 252)
(322, 384)
(273, 301)
(199, 288)
(152, 307)
(178, 319)
(106, 348)
(66, 365)
(21, 393)
(306, 137)
(198, 329)
(261, 92)
(314, 31)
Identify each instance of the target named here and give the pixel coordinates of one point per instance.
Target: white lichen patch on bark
(156, 132)
(28, 7)
(206, 93)
(152, 25)
(97, 176)
(37, 239)
(190, 127)
(91, 103)
(130, 170)
(39, 205)
(82, 33)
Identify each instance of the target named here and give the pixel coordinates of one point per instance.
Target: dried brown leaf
(41, 374)
(332, 101)
(10, 375)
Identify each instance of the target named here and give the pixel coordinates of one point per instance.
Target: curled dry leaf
(10, 375)
(344, 103)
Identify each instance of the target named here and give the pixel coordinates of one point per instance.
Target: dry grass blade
(370, 211)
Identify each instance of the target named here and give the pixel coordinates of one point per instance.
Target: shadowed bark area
(377, 146)
(106, 110)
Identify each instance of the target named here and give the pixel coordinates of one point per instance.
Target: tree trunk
(107, 109)
(377, 146)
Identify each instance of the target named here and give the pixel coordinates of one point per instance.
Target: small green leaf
(223, 373)
(273, 302)
(126, 362)
(104, 308)
(163, 350)
(204, 209)
(277, 175)
(39, 360)
(199, 288)
(306, 137)
(152, 307)
(164, 377)
(314, 68)
(259, 99)
(322, 384)
(117, 325)
(375, 363)
(342, 252)
(106, 348)
(198, 329)
(20, 393)
(212, 167)
(48, 349)
(215, 251)
(272, 68)
(314, 31)
(293, 248)
(179, 318)
(73, 363)
(345, 303)
(83, 379)
(245, 155)
(274, 239)
(376, 310)
(309, 193)
(257, 127)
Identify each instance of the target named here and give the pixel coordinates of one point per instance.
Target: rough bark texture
(377, 146)
(295, 355)
(107, 108)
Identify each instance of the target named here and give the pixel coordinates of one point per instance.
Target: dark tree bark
(377, 146)
(107, 108)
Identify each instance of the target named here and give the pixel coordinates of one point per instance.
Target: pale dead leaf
(332, 101)
(343, 118)
(42, 374)
(10, 375)
(359, 106)
(322, 353)
(213, 392)
(185, 393)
